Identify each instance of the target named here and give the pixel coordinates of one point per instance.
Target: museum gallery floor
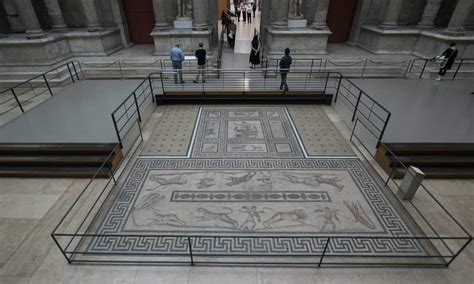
(266, 181)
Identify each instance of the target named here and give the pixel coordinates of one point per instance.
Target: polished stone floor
(35, 206)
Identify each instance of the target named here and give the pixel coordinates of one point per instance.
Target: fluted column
(279, 13)
(321, 14)
(200, 8)
(161, 17)
(54, 11)
(459, 17)
(30, 20)
(430, 13)
(90, 13)
(12, 16)
(392, 15)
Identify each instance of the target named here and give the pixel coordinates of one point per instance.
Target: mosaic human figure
(253, 216)
(328, 215)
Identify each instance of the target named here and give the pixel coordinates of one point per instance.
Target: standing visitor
(249, 13)
(238, 10)
(201, 60)
(255, 51)
(244, 11)
(254, 8)
(285, 63)
(224, 21)
(177, 58)
(232, 34)
(446, 60)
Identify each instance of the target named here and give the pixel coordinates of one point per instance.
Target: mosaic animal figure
(152, 217)
(297, 215)
(205, 182)
(238, 180)
(359, 214)
(207, 215)
(253, 216)
(150, 201)
(329, 215)
(245, 130)
(178, 180)
(314, 181)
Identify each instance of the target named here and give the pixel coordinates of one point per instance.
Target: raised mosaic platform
(249, 196)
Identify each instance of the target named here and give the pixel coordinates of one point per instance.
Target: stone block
(297, 23)
(85, 43)
(303, 41)
(187, 39)
(410, 183)
(183, 24)
(388, 41)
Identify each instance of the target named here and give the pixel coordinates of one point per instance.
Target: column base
(304, 41)
(425, 26)
(280, 25)
(36, 34)
(454, 32)
(200, 27)
(162, 26)
(319, 26)
(59, 28)
(389, 26)
(94, 28)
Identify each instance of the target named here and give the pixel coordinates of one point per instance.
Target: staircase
(436, 160)
(74, 160)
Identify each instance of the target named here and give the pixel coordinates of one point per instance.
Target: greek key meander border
(386, 214)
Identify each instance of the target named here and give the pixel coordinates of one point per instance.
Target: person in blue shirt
(177, 58)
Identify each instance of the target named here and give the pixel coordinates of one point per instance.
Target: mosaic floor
(242, 180)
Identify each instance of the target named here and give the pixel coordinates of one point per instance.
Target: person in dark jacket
(201, 61)
(254, 58)
(446, 60)
(254, 8)
(285, 63)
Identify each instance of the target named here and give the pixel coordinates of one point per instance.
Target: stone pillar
(459, 17)
(161, 17)
(30, 20)
(429, 14)
(170, 11)
(321, 14)
(279, 13)
(54, 11)
(12, 15)
(392, 14)
(200, 8)
(90, 13)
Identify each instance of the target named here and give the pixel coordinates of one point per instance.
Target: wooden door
(140, 19)
(339, 19)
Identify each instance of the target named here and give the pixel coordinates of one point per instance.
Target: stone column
(12, 16)
(30, 20)
(279, 13)
(429, 14)
(321, 14)
(392, 14)
(54, 11)
(170, 11)
(200, 8)
(90, 13)
(161, 17)
(459, 17)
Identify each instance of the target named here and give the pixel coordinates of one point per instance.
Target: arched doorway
(140, 19)
(339, 19)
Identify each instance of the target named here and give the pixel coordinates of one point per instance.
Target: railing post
(457, 69)
(311, 71)
(82, 71)
(363, 69)
(162, 84)
(406, 69)
(138, 108)
(356, 106)
(423, 69)
(326, 84)
(324, 252)
(151, 89)
(17, 100)
(190, 250)
(383, 129)
(120, 67)
(47, 85)
(75, 71)
(70, 73)
(338, 86)
(117, 131)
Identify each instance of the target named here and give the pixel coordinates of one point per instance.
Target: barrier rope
(344, 65)
(389, 63)
(103, 66)
(136, 64)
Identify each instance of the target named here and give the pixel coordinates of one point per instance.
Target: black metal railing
(77, 231)
(25, 95)
(427, 68)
